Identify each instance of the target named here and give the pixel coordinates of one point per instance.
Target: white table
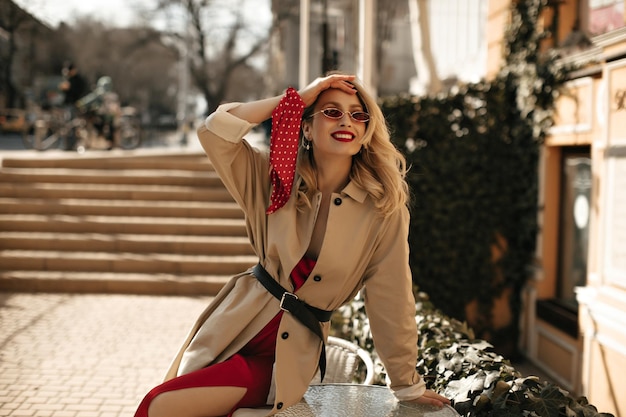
(350, 400)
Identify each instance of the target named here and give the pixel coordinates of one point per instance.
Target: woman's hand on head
(431, 398)
(340, 81)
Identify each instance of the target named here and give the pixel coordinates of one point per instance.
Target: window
(605, 16)
(574, 223)
(573, 236)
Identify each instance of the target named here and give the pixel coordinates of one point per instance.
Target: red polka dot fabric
(286, 119)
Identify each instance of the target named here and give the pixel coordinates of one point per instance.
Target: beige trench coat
(360, 249)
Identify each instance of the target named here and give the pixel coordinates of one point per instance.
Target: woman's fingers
(340, 81)
(336, 81)
(344, 85)
(432, 398)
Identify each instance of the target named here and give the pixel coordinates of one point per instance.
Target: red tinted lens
(360, 116)
(333, 113)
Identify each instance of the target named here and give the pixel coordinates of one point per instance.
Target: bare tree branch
(214, 60)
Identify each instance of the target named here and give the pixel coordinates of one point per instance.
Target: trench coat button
(317, 278)
(338, 201)
(284, 335)
(279, 406)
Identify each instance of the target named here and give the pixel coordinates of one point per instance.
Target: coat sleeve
(244, 170)
(390, 307)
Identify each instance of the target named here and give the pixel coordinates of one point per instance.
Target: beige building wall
(603, 300)
(497, 18)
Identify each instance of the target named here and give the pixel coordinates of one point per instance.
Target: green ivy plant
(480, 382)
(474, 156)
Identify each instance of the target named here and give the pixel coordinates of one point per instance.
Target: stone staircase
(118, 222)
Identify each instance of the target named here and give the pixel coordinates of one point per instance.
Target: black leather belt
(308, 315)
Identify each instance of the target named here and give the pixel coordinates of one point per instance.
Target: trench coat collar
(355, 192)
(352, 190)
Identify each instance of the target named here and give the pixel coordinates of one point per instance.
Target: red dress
(250, 368)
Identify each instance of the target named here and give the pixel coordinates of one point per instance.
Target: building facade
(575, 307)
(24, 50)
(374, 39)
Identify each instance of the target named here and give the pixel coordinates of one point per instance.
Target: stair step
(140, 243)
(100, 282)
(114, 192)
(29, 260)
(107, 176)
(82, 207)
(141, 222)
(143, 159)
(122, 224)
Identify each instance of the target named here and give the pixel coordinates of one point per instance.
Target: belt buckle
(282, 299)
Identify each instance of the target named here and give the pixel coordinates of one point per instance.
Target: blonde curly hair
(379, 168)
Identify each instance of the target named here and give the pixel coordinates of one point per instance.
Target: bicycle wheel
(40, 136)
(129, 132)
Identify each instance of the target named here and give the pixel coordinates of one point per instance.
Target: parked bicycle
(56, 128)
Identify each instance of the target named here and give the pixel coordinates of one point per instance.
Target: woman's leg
(213, 391)
(196, 402)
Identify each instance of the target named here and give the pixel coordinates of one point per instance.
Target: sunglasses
(336, 114)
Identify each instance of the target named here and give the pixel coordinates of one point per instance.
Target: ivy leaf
(481, 345)
(549, 403)
(459, 390)
(464, 408)
(510, 411)
(481, 402)
(472, 357)
(581, 408)
(501, 389)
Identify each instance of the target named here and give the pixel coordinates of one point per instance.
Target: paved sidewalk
(83, 355)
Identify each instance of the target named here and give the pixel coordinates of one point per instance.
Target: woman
(339, 226)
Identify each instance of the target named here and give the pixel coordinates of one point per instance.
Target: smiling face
(340, 137)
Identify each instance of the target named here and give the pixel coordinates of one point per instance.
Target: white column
(303, 64)
(365, 59)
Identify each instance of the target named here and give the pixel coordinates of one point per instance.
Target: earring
(307, 144)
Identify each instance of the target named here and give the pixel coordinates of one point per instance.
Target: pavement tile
(64, 413)
(70, 355)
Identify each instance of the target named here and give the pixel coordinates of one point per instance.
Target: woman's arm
(390, 306)
(260, 110)
(256, 111)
